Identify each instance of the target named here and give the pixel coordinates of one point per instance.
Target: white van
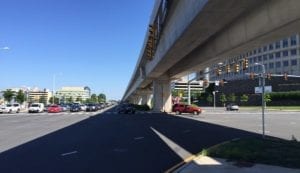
(36, 107)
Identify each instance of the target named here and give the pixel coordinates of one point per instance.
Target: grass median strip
(254, 150)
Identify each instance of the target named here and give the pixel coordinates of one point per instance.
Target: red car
(183, 108)
(54, 109)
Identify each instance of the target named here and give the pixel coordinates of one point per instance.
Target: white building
(74, 93)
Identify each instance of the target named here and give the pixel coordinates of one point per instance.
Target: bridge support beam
(162, 101)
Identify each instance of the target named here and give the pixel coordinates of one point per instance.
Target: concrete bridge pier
(162, 97)
(146, 97)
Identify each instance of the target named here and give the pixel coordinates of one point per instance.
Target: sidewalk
(216, 165)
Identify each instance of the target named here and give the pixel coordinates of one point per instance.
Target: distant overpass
(187, 36)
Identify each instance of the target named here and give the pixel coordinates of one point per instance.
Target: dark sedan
(75, 108)
(91, 107)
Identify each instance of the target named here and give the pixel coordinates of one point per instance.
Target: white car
(232, 107)
(11, 108)
(36, 107)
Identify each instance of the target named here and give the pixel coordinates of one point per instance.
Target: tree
(244, 99)
(267, 99)
(88, 100)
(101, 98)
(223, 99)
(231, 98)
(209, 98)
(43, 99)
(94, 98)
(79, 99)
(8, 95)
(56, 100)
(70, 99)
(20, 98)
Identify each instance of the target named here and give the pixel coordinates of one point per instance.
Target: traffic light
(285, 76)
(228, 69)
(218, 71)
(222, 82)
(269, 76)
(150, 43)
(245, 64)
(236, 68)
(252, 75)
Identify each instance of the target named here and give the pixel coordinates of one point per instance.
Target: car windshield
(8, 105)
(34, 105)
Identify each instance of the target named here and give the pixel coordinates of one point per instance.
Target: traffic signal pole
(262, 82)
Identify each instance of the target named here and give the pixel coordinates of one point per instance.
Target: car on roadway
(180, 108)
(126, 109)
(75, 108)
(36, 108)
(91, 107)
(54, 109)
(11, 108)
(232, 107)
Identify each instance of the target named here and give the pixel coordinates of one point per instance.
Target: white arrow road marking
(181, 152)
(69, 153)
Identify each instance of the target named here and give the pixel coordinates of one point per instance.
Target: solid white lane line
(69, 153)
(181, 152)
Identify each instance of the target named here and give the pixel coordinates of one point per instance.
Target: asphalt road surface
(105, 142)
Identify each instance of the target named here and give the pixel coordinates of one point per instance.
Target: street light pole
(53, 88)
(262, 78)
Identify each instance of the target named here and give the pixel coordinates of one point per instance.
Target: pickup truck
(11, 108)
(183, 108)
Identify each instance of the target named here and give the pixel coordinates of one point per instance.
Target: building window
(255, 68)
(285, 63)
(265, 48)
(277, 55)
(254, 52)
(278, 64)
(271, 65)
(254, 59)
(285, 42)
(265, 57)
(250, 60)
(294, 52)
(285, 53)
(259, 58)
(277, 44)
(259, 50)
(271, 56)
(266, 66)
(293, 62)
(271, 47)
(293, 40)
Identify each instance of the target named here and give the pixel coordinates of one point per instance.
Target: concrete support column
(146, 99)
(162, 100)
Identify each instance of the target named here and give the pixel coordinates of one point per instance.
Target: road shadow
(115, 143)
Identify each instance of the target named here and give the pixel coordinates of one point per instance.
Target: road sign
(258, 90)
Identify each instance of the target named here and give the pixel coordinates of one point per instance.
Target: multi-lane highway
(111, 142)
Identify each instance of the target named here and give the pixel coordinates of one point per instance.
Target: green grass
(269, 151)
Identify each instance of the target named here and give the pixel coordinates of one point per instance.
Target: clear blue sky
(93, 43)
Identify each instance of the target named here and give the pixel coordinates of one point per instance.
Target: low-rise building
(75, 93)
